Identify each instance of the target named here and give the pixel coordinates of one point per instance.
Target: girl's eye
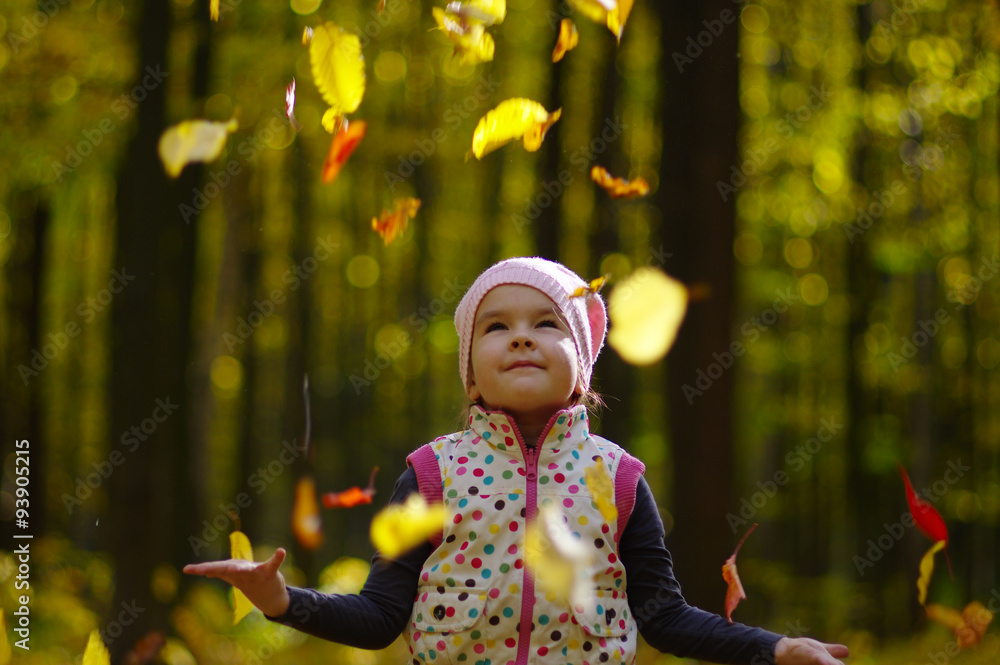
(549, 323)
(495, 326)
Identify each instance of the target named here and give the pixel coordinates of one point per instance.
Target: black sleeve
(377, 615)
(664, 618)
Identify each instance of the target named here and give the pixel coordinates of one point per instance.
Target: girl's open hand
(804, 651)
(260, 581)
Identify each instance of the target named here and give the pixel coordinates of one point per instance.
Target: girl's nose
(520, 338)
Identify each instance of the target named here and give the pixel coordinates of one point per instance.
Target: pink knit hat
(586, 315)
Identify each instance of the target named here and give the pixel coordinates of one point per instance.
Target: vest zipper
(531, 511)
(528, 586)
(531, 456)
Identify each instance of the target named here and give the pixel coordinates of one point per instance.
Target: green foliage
(865, 196)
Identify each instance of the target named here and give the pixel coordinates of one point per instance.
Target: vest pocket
(607, 616)
(447, 612)
(443, 624)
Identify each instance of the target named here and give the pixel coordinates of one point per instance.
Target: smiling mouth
(523, 363)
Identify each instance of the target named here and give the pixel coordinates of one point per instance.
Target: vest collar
(500, 430)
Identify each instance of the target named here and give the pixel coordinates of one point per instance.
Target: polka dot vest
(476, 603)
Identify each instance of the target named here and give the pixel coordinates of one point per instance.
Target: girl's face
(523, 356)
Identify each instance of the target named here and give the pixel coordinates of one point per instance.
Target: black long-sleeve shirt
(376, 616)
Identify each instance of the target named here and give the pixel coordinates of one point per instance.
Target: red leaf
(354, 496)
(926, 516)
(735, 593)
(343, 144)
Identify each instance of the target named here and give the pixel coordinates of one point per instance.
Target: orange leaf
(617, 187)
(146, 648)
(390, 224)
(569, 37)
(969, 626)
(343, 144)
(305, 514)
(735, 593)
(351, 497)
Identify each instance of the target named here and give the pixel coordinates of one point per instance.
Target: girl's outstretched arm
(670, 625)
(371, 619)
(805, 651)
(260, 582)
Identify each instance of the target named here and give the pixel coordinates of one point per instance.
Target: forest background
(824, 178)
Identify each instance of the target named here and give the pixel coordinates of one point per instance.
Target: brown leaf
(734, 593)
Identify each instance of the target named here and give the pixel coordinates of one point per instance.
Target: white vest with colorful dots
(476, 603)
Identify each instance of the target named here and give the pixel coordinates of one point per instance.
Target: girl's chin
(530, 407)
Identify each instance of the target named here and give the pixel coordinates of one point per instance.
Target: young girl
(526, 352)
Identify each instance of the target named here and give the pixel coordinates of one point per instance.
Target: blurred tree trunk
(546, 228)
(156, 501)
(21, 409)
(617, 378)
(300, 319)
(700, 120)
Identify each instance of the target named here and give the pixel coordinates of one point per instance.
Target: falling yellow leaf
(646, 311)
(391, 223)
(333, 120)
(398, 528)
(595, 10)
(239, 548)
(969, 626)
(569, 37)
(473, 44)
(345, 575)
(338, 67)
(214, 10)
(307, 36)
(306, 521)
(96, 653)
(512, 119)
(602, 490)
(927, 569)
(193, 141)
(487, 12)
(617, 17)
(559, 561)
(619, 188)
(595, 286)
